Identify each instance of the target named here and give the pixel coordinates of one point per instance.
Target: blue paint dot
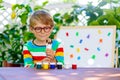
(81, 41)
(78, 58)
(98, 48)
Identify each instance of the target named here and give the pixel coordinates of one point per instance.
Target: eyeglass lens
(39, 29)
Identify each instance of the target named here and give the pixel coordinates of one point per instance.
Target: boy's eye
(45, 29)
(38, 28)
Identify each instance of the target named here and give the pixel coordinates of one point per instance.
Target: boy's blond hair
(42, 17)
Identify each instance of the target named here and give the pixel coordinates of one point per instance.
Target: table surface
(20, 73)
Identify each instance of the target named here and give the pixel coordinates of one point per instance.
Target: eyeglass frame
(40, 29)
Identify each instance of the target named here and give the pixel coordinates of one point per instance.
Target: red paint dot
(67, 34)
(86, 49)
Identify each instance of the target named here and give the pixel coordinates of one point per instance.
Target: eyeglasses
(39, 29)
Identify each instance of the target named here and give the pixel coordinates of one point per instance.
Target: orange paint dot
(100, 40)
(71, 55)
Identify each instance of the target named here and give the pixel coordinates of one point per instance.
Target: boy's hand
(46, 60)
(50, 54)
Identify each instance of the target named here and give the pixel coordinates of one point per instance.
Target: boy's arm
(59, 54)
(28, 61)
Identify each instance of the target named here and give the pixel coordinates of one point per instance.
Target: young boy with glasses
(42, 48)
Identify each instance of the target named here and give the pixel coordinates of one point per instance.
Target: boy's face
(41, 31)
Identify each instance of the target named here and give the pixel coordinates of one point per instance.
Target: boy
(42, 48)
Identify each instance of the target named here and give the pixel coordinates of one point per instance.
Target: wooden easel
(77, 38)
(116, 52)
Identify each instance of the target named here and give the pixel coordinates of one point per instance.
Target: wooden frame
(65, 32)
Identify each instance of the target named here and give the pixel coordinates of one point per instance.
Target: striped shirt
(33, 53)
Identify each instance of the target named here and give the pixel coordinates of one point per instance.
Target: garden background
(14, 15)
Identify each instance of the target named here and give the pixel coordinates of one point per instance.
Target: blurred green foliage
(17, 33)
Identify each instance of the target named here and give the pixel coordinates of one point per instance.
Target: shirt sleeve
(27, 57)
(59, 53)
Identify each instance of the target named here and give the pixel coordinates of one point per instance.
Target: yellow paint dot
(78, 50)
(99, 32)
(67, 53)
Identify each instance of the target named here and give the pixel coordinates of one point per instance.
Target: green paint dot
(109, 34)
(93, 56)
(72, 46)
(77, 34)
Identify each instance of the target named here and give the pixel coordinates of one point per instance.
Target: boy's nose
(42, 31)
